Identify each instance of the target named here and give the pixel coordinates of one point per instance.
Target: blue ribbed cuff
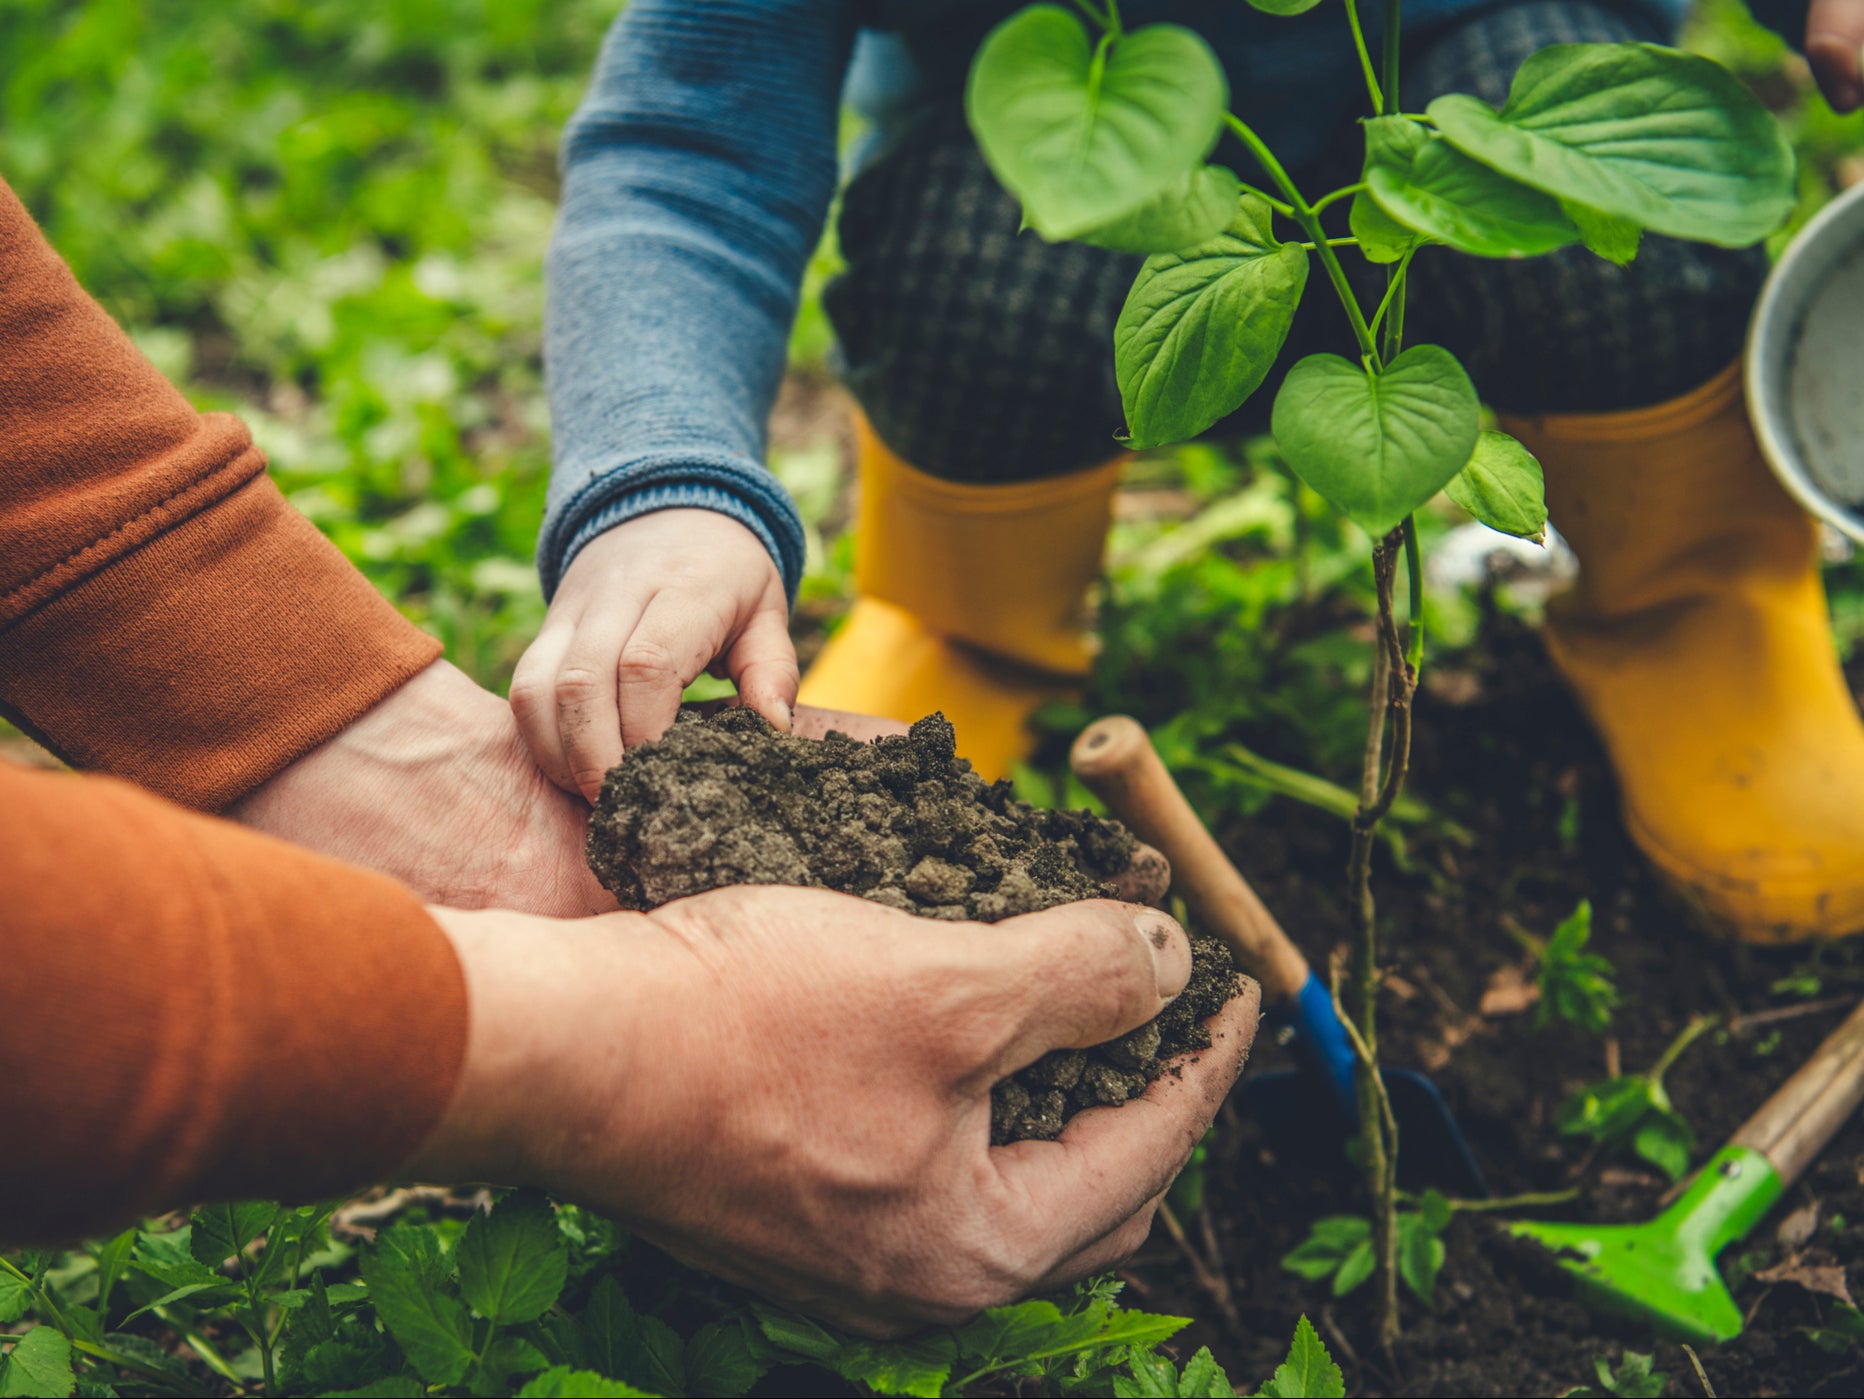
(747, 494)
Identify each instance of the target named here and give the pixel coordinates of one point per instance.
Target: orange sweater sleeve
(190, 1011)
(164, 614)
(195, 1012)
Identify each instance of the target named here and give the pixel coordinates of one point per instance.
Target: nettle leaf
(1007, 1337)
(169, 1259)
(1152, 1377)
(1377, 445)
(1194, 213)
(1382, 239)
(719, 1361)
(220, 1231)
(1666, 140)
(791, 1332)
(1503, 487)
(406, 1274)
(1666, 1141)
(39, 1365)
(918, 1368)
(1308, 1372)
(1420, 1255)
(621, 1342)
(1204, 1378)
(1614, 239)
(1426, 184)
(513, 1260)
(1328, 1243)
(1084, 134)
(1201, 328)
(15, 1297)
(561, 1382)
(1355, 1268)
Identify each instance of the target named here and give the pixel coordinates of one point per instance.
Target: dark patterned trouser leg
(978, 352)
(1570, 332)
(983, 354)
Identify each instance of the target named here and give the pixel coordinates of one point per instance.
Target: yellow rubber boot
(1698, 640)
(970, 599)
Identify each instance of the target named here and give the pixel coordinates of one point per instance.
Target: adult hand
(791, 1088)
(641, 611)
(434, 787)
(1835, 49)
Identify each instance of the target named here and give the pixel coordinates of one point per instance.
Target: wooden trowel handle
(1117, 761)
(1793, 1126)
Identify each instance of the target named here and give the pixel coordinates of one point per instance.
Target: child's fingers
(672, 643)
(588, 702)
(1835, 49)
(762, 664)
(534, 702)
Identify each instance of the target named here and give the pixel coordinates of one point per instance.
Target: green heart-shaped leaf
(1377, 446)
(1426, 184)
(1612, 238)
(1180, 218)
(1202, 327)
(1503, 487)
(1381, 237)
(1086, 134)
(1669, 141)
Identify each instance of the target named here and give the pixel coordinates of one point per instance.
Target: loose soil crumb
(902, 821)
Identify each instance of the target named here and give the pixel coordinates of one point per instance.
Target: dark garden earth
(902, 821)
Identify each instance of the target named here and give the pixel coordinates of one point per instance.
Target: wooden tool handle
(1793, 1126)
(1117, 761)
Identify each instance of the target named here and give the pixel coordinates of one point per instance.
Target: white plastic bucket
(1805, 365)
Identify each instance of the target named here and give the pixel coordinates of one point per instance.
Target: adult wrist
(553, 1006)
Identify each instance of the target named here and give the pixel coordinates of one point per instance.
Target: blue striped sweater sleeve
(696, 177)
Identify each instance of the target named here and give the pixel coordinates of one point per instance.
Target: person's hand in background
(641, 612)
(434, 787)
(1835, 49)
(791, 1089)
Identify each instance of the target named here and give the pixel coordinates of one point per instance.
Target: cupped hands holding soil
(902, 821)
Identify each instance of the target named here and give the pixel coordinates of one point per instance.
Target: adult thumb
(1074, 976)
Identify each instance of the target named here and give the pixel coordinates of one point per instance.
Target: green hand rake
(1664, 1272)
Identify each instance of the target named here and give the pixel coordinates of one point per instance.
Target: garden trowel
(1664, 1272)
(1315, 1105)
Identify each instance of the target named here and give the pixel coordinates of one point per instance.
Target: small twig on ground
(1212, 1283)
(1614, 1059)
(1702, 1376)
(1211, 1250)
(1752, 1311)
(1779, 1013)
(1528, 1200)
(1340, 1343)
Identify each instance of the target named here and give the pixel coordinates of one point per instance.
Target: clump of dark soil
(902, 821)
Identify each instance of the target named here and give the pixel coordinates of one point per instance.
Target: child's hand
(1835, 49)
(641, 611)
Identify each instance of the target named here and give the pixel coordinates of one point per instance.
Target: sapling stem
(1391, 54)
(1347, 192)
(1394, 288)
(1303, 214)
(1347, 242)
(1365, 58)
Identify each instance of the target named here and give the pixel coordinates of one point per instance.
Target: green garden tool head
(1663, 1272)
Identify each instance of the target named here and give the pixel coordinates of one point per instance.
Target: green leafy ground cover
(330, 218)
